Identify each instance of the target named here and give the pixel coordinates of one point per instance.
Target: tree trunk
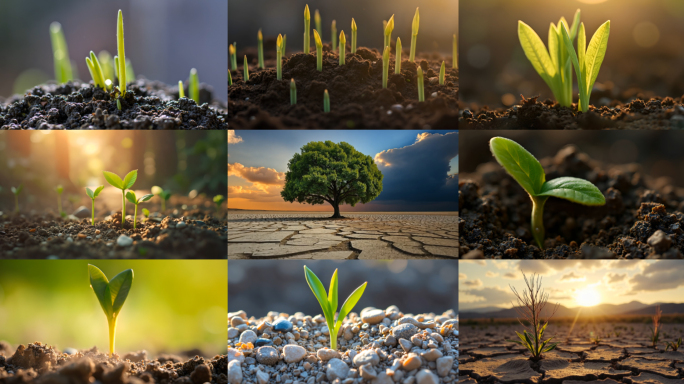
(336, 215)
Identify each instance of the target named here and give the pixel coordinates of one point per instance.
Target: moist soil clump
(40, 363)
(642, 218)
(147, 105)
(357, 99)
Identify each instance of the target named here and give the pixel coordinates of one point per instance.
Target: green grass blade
(319, 291)
(193, 87)
(576, 190)
(332, 292)
(130, 179)
(582, 49)
(554, 50)
(519, 163)
(536, 53)
(575, 24)
(119, 287)
(99, 283)
(113, 179)
(581, 78)
(596, 52)
(350, 303)
(121, 53)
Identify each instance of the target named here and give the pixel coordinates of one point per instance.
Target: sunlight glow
(587, 297)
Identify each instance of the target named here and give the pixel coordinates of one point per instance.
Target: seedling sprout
(293, 92)
(319, 51)
(16, 191)
(218, 200)
(343, 43)
(529, 173)
(114, 180)
(106, 62)
(385, 66)
(284, 44)
(260, 49)
(193, 87)
(307, 29)
(279, 57)
(246, 69)
(674, 345)
(328, 302)
(111, 295)
(60, 54)
(164, 195)
(93, 194)
(397, 61)
(388, 32)
(121, 54)
(333, 28)
(414, 36)
(233, 58)
(442, 73)
(181, 90)
(230, 78)
(59, 189)
(133, 199)
(354, 30)
(326, 101)
(421, 85)
(95, 70)
(317, 20)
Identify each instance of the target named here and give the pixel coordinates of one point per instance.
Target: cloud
(572, 276)
(550, 267)
(613, 278)
(491, 274)
(233, 138)
(462, 276)
(492, 296)
(422, 136)
(510, 275)
(260, 177)
(473, 283)
(658, 276)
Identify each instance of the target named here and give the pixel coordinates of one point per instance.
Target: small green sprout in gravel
(279, 57)
(134, 200)
(260, 49)
(193, 87)
(95, 70)
(354, 30)
(111, 295)
(414, 36)
(319, 51)
(655, 330)
(181, 89)
(218, 200)
(317, 20)
(245, 67)
(596, 340)
(385, 66)
(674, 345)
(530, 305)
(388, 32)
(233, 57)
(60, 54)
(60, 189)
(121, 54)
(307, 29)
(328, 302)
(93, 195)
(343, 44)
(293, 92)
(114, 180)
(16, 191)
(421, 84)
(326, 101)
(454, 56)
(442, 73)
(397, 61)
(529, 173)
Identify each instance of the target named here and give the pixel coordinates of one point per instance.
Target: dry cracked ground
(486, 356)
(357, 236)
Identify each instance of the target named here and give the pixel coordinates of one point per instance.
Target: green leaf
(576, 190)
(145, 198)
(519, 163)
(536, 53)
(582, 50)
(129, 180)
(98, 190)
(575, 24)
(319, 291)
(100, 284)
(113, 179)
(350, 303)
(59, 189)
(332, 293)
(146, 212)
(89, 192)
(581, 78)
(596, 52)
(17, 190)
(553, 45)
(130, 196)
(119, 287)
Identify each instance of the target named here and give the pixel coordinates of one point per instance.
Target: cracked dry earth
(358, 236)
(378, 346)
(486, 357)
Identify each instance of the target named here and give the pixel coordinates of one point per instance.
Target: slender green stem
(397, 62)
(442, 73)
(135, 216)
(112, 333)
(123, 212)
(333, 338)
(181, 89)
(385, 66)
(319, 51)
(538, 219)
(421, 86)
(233, 57)
(333, 28)
(245, 68)
(412, 55)
(163, 204)
(343, 46)
(455, 53)
(193, 87)
(279, 58)
(16, 203)
(388, 32)
(307, 29)
(92, 220)
(414, 36)
(121, 53)
(353, 42)
(260, 47)
(326, 101)
(293, 92)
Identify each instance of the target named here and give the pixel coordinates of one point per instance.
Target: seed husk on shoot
(326, 101)
(343, 46)
(60, 54)
(354, 30)
(388, 32)
(233, 58)
(59, 189)
(245, 68)
(317, 20)
(414, 35)
(111, 295)
(328, 302)
(455, 53)
(218, 200)
(279, 57)
(114, 180)
(442, 73)
(307, 29)
(93, 194)
(181, 90)
(397, 61)
(121, 54)
(333, 28)
(421, 85)
(319, 51)
(16, 191)
(193, 87)
(260, 46)
(529, 173)
(293, 92)
(95, 70)
(134, 200)
(385, 66)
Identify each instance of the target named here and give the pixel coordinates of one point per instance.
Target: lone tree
(336, 173)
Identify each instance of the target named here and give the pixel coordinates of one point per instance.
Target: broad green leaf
(536, 52)
(100, 284)
(575, 24)
(89, 192)
(553, 45)
(130, 179)
(113, 179)
(332, 293)
(130, 196)
(519, 163)
(318, 290)
(576, 190)
(350, 303)
(146, 198)
(119, 287)
(98, 190)
(596, 52)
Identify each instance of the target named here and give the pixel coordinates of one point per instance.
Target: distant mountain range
(631, 308)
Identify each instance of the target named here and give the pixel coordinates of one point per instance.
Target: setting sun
(587, 297)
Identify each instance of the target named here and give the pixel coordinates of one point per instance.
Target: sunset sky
(572, 283)
(419, 167)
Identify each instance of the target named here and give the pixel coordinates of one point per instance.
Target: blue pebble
(282, 325)
(262, 342)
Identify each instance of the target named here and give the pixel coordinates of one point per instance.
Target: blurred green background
(174, 305)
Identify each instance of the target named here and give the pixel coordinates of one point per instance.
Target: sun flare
(587, 297)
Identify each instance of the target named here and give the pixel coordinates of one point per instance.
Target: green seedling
(529, 173)
(421, 84)
(317, 20)
(133, 199)
(114, 180)
(59, 189)
(414, 36)
(454, 56)
(193, 86)
(307, 29)
(595, 339)
(146, 213)
(617, 334)
(388, 32)
(385, 66)
(111, 295)
(442, 73)
(674, 345)
(354, 30)
(279, 57)
(93, 194)
(333, 29)
(95, 70)
(218, 200)
(326, 101)
(328, 302)
(121, 54)
(245, 67)
(319, 51)
(343, 46)
(655, 330)
(107, 63)
(530, 306)
(164, 196)
(16, 191)
(60, 54)
(397, 61)
(233, 58)
(284, 44)
(260, 49)
(181, 88)
(293, 92)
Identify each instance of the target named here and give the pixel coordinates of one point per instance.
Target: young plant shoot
(233, 57)
(319, 51)
(121, 54)
(655, 330)
(354, 30)
(95, 70)
(60, 54)
(528, 172)
(385, 66)
(421, 85)
(59, 189)
(442, 73)
(133, 199)
(279, 57)
(293, 92)
(218, 200)
(16, 191)
(260, 48)
(307, 29)
(388, 32)
(245, 67)
(146, 213)
(343, 46)
(111, 295)
(414, 36)
(93, 194)
(164, 196)
(674, 345)
(333, 28)
(317, 20)
(284, 44)
(397, 61)
(181, 89)
(328, 302)
(193, 87)
(454, 56)
(230, 78)
(326, 101)
(114, 180)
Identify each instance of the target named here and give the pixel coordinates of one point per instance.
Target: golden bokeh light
(646, 34)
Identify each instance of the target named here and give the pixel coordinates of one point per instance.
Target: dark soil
(637, 222)
(147, 105)
(357, 99)
(40, 363)
(39, 236)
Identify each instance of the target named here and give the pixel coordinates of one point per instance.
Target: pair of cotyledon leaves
(110, 293)
(126, 183)
(529, 173)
